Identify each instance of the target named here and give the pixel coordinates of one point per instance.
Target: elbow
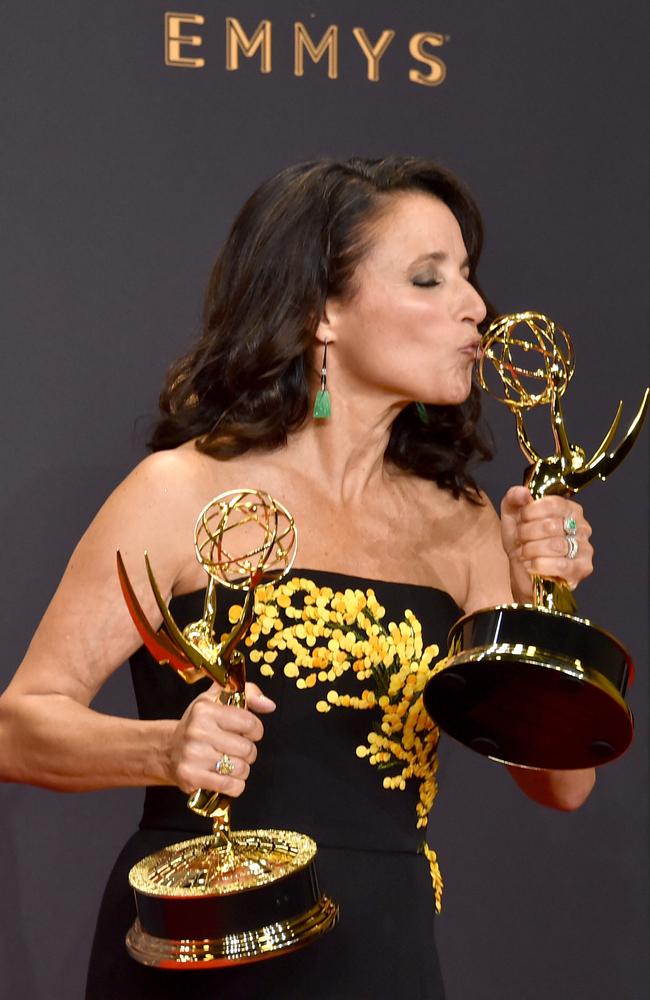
(8, 761)
(565, 791)
(572, 798)
(569, 790)
(18, 735)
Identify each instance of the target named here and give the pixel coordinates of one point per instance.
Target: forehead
(411, 224)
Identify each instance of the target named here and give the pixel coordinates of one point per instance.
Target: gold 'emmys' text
(183, 48)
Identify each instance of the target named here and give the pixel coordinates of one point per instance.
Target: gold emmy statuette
(532, 684)
(233, 896)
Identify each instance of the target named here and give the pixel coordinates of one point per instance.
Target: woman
(365, 271)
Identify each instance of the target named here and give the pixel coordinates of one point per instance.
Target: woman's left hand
(535, 540)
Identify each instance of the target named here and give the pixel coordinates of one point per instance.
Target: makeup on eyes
(428, 279)
(425, 281)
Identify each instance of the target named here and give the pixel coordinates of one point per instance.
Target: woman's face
(409, 332)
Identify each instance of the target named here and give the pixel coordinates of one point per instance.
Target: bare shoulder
(481, 515)
(148, 505)
(468, 532)
(166, 475)
(86, 631)
(155, 509)
(187, 474)
(477, 530)
(167, 485)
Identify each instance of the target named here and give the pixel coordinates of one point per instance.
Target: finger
(209, 696)
(206, 719)
(552, 506)
(240, 768)
(234, 745)
(516, 498)
(239, 720)
(257, 701)
(229, 785)
(232, 787)
(200, 772)
(556, 545)
(544, 527)
(550, 527)
(198, 769)
(573, 571)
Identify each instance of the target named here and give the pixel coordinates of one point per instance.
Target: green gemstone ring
(570, 526)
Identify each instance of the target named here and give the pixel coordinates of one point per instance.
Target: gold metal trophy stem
(215, 805)
(534, 685)
(550, 594)
(568, 471)
(234, 896)
(203, 801)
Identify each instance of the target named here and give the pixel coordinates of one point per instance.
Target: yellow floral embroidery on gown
(331, 633)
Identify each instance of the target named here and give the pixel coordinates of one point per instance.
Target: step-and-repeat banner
(131, 134)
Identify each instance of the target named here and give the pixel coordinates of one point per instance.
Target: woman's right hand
(209, 729)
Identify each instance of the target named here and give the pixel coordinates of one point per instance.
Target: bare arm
(493, 576)
(49, 734)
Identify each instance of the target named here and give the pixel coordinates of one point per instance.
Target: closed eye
(425, 283)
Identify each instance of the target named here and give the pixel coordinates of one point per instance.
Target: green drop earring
(422, 413)
(323, 403)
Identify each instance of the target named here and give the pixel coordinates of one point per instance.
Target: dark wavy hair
(298, 240)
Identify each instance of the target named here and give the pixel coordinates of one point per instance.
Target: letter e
(174, 39)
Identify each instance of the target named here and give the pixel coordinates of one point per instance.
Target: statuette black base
(193, 915)
(533, 688)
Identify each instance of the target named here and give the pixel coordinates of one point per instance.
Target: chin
(464, 393)
(454, 393)
(453, 398)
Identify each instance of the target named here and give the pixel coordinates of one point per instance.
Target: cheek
(408, 322)
(401, 342)
(370, 328)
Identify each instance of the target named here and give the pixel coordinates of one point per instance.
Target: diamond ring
(570, 525)
(572, 542)
(224, 765)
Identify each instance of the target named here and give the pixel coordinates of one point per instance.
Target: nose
(474, 306)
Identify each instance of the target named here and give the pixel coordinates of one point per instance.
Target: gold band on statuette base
(201, 906)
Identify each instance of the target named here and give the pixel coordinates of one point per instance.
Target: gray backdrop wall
(121, 176)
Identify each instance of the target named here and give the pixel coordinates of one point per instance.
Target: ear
(327, 329)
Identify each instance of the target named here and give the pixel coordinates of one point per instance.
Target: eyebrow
(440, 257)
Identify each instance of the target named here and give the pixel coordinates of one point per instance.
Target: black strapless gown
(307, 778)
